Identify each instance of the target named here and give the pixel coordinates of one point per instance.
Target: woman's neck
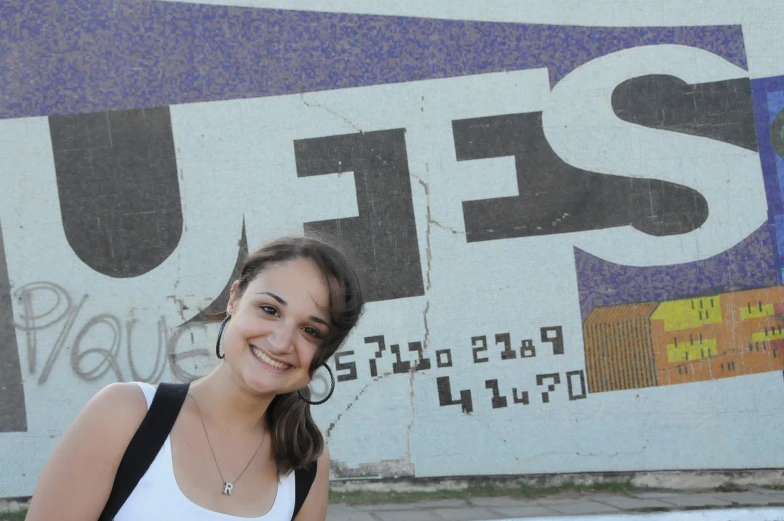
(223, 397)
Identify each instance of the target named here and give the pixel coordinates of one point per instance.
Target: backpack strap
(303, 481)
(145, 445)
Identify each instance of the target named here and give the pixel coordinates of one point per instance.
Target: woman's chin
(262, 384)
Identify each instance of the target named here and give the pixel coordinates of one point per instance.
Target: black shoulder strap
(145, 445)
(303, 480)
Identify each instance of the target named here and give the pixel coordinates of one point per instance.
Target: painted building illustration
(631, 346)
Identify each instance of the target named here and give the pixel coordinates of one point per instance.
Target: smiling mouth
(259, 354)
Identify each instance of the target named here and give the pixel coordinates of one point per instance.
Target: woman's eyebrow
(318, 320)
(280, 300)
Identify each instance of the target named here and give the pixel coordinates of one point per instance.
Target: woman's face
(276, 326)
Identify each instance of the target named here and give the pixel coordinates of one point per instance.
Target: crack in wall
(182, 307)
(428, 255)
(354, 400)
(445, 227)
(413, 412)
(501, 437)
(337, 115)
(428, 283)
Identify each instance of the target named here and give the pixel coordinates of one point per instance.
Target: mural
(565, 223)
(629, 346)
(641, 345)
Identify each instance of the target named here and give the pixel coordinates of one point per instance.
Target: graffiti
(46, 305)
(62, 312)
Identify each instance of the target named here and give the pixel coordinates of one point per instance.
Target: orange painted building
(619, 351)
(688, 340)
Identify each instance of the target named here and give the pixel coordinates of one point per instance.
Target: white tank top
(157, 497)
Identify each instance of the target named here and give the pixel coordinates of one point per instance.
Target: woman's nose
(280, 338)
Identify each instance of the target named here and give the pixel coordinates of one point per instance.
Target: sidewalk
(756, 504)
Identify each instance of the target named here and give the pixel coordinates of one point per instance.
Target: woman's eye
(315, 333)
(270, 310)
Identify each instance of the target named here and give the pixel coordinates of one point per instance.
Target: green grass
(16, 516)
(612, 487)
(522, 491)
(730, 487)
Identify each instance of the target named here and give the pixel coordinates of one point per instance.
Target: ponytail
(296, 440)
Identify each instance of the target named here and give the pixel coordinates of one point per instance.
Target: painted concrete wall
(569, 213)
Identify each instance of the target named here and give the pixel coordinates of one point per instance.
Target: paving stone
(338, 512)
(499, 502)
(579, 507)
(390, 506)
(497, 508)
(655, 495)
(441, 503)
(407, 515)
(744, 498)
(695, 500)
(526, 511)
(630, 503)
(467, 514)
(776, 496)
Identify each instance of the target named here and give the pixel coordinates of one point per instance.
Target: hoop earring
(220, 334)
(329, 394)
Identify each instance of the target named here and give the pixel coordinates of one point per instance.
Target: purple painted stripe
(752, 263)
(77, 56)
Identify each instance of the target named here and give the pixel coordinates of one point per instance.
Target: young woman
(244, 428)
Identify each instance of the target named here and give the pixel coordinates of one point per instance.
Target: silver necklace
(228, 486)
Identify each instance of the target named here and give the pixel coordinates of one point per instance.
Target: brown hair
(296, 440)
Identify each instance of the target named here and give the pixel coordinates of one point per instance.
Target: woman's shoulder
(118, 407)
(77, 477)
(130, 394)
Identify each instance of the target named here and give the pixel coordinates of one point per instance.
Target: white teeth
(258, 353)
